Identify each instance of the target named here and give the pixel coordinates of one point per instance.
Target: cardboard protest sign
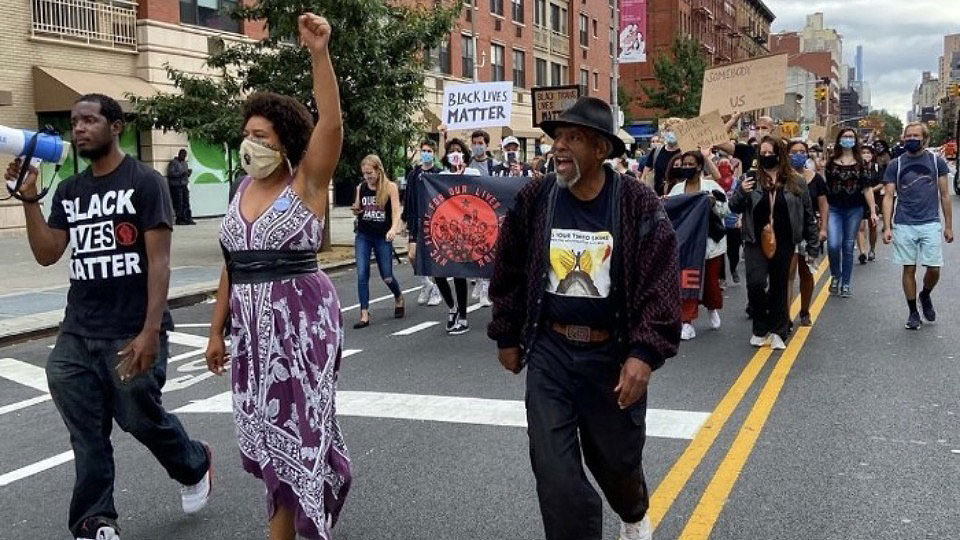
(477, 105)
(704, 131)
(548, 103)
(745, 86)
(816, 133)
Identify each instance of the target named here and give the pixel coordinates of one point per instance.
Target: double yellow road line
(707, 511)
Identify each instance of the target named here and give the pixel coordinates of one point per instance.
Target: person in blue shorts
(918, 179)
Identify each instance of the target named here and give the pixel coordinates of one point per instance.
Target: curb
(42, 325)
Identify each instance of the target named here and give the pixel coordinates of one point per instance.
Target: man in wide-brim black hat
(586, 294)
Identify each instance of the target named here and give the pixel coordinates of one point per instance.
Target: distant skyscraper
(859, 63)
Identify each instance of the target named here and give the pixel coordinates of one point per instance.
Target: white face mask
(258, 160)
(455, 158)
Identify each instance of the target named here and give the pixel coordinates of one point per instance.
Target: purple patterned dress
(286, 339)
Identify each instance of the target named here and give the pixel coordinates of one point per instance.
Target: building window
(496, 7)
(584, 30)
(596, 32)
(440, 58)
(542, 72)
(558, 19)
(519, 69)
(540, 13)
(210, 14)
(466, 56)
(497, 71)
(556, 74)
(596, 81)
(518, 11)
(584, 82)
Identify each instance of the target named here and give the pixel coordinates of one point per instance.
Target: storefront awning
(56, 89)
(625, 137)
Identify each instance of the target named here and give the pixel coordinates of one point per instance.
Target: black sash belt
(261, 266)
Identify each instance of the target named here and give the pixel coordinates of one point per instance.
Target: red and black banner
(689, 215)
(460, 219)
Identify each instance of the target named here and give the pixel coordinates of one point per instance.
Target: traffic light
(820, 94)
(953, 90)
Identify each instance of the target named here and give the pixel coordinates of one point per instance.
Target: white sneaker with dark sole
(461, 327)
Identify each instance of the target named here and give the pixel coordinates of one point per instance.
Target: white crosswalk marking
(23, 404)
(187, 340)
(417, 328)
(662, 423)
(24, 373)
(347, 353)
(34, 468)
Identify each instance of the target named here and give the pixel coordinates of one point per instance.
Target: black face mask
(685, 173)
(769, 162)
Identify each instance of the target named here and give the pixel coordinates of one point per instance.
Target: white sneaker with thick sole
(477, 287)
(435, 297)
(424, 295)
(687, 332)
(195, 498)
(776, 343)
(640, 530)
(758, 341)
(715, 319)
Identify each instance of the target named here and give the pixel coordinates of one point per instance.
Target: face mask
(426, 158)
(479, 150)
(257, 160)
(685, 173)
(848, 142)
(798, 161)
(769, 162)
(455, 158)
(913, 145)
(670, 138)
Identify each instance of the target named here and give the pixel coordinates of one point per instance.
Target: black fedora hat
(591, 113)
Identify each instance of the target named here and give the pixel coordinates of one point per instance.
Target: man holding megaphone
(110, 359)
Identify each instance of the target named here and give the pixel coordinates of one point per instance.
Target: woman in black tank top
(377, 207)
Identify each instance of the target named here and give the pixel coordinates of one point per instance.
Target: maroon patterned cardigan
(645, 271)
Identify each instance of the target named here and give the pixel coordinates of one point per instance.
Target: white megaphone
(37, 147)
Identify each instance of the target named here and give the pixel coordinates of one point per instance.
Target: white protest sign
(745, 86)
(704, 131)
(477, 105)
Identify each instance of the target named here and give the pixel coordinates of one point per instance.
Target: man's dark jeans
(87, 391)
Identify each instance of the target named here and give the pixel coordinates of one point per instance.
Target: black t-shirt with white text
(106, 218)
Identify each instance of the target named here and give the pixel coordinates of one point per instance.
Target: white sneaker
(776, 343)
(194, 498)
(424, 295)
(103, 533)
(688, 332)
(435, 297)
(640, 530)
(477, 286)
(714, 319)
(758, 341)
(485, 294)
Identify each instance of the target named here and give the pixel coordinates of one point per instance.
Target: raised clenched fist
(314, 32)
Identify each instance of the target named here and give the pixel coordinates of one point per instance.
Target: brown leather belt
(580, 334)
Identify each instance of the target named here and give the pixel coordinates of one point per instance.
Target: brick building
(822, 64)
(727, 30)
(532, 43)
(58, 50)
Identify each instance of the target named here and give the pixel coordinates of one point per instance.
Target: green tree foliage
(378, 53)
(892, 126)
(680, 78)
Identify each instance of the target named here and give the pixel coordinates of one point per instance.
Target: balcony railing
(550, 41)
(101, 23)
(541, 38)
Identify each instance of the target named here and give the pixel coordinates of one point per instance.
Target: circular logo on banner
(126, 234)
(464, 229)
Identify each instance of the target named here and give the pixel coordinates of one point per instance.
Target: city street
(849, 433)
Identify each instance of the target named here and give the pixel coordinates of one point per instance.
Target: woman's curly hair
(290, 118)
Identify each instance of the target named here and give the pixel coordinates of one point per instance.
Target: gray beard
(567, 182)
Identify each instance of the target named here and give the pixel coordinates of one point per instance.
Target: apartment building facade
(726, 30)
(533, 43)
(59, 50)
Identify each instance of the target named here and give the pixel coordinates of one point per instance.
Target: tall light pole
(615, 91)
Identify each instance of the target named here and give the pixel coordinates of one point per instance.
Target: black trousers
(767, 288)
(461, 285)
(181, 202)
(572, 418)
(734, 241)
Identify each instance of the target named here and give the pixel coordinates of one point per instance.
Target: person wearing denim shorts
(919, 182)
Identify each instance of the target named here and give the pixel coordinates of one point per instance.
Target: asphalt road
(852, 433)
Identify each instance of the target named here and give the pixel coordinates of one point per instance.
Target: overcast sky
(901, 39)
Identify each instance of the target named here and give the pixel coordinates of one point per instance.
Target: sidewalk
(32, 297)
